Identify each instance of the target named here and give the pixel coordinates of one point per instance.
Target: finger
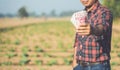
(83, 34)
(84, 31)
(81, 28)
(83, 24)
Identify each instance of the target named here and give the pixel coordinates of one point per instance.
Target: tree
(2, 15)
(22, 12)
(53, 13)
(114, 6)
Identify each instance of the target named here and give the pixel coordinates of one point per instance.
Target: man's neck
(89, 8)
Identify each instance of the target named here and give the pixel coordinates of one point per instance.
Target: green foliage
(47, 55)
(53, 13)
(114, 6)
(6, 63)
(114, 63)
(12, 49)
(24, 55)
(22, 12)
(25, 49)
(38, 49)
(38, 62)
(67, 61)
(24, 61)
(119, 54)
(17, 42)
(11, 54)
(52, 62)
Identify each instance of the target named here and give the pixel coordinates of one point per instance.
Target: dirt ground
(13, 22)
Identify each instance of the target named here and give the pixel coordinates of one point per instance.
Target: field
(43, 44)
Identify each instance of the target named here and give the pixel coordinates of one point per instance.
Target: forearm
(75, 49)
(74, 57)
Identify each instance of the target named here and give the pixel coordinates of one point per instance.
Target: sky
(39, 6)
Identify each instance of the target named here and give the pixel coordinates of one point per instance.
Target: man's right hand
(74, 63)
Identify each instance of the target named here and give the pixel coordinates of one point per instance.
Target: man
(93, 39)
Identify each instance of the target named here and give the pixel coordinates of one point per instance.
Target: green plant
(116, 46)
(5, 63)
(25, 49)
(24, 55)
(52, 62)
(17, 42)
(38, 62)
(67, 62)
(118, 54)
(114, 63)
(47, 55)
(10, 55)
(38, 49)
(24, 60)
(12, 49)
(71, 55)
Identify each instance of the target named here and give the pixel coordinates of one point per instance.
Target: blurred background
(38, 34)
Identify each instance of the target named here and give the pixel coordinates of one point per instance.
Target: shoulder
(105, 10)
(106, 13)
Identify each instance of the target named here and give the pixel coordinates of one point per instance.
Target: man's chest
(94, 18)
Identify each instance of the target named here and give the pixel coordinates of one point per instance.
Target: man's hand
(83, 29)
(74, 64)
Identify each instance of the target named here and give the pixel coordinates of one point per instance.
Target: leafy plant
(5, 63)
(38, 62)
(116, 46)
(24, 61)
(17, 42)
(25, 49)
(12, 49)
(25, 55)
(114, 63)
(71, 55)
(67, 62)
(47, 55)
(10, 55)
(52, 62)
(38, 49)
(118, 54)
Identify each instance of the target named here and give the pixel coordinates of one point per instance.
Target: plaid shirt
(94, 48)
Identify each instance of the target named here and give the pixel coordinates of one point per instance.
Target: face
(88, 3)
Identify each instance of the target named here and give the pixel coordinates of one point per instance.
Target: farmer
(93, 39)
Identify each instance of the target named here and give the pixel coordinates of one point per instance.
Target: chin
(86, 5)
